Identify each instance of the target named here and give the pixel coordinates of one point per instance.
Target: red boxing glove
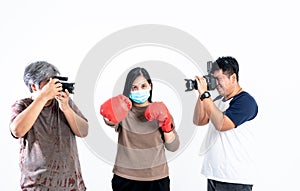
(158, 111)
(116, 108)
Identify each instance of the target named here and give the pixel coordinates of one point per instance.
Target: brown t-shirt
(48, 153)
(141, 148)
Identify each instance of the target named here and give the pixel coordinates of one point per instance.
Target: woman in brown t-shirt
(145, 130)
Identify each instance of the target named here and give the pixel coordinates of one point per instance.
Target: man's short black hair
(228, 65)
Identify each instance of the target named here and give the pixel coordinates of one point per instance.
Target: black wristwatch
(205, 94)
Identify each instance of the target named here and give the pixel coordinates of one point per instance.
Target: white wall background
(262, 35)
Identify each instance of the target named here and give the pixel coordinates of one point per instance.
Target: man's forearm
(78, 125)
(200, 115)
(215, 115)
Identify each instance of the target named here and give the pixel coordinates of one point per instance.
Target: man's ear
(33, 87)
(233, 77)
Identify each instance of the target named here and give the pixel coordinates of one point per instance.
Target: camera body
(65, 85)
(210, 80)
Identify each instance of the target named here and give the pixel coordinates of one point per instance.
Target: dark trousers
(123, 184)
(213, 185)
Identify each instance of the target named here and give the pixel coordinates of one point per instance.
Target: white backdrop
(262, 35)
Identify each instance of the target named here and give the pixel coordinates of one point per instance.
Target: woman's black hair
(132, 75)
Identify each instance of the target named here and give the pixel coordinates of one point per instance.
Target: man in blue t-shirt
(228, 148)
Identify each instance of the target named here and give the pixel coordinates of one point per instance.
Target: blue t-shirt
(242, 108)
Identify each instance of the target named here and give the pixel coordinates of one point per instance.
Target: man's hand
(49, 90)
(202, 84)
(63, 100)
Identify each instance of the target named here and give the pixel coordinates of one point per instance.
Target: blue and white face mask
(140, 96)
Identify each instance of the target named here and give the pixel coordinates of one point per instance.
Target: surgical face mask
(140, 96)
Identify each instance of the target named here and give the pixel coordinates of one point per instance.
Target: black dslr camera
(68, 86)
(210, 80)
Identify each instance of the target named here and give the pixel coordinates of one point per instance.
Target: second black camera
(65, 85)
(210, 80)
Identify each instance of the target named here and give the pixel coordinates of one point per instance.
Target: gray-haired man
(46, 125)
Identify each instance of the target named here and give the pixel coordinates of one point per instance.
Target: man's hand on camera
(48, 91)
(63, 100)
(202, 84)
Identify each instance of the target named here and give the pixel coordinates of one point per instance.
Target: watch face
(205, 95)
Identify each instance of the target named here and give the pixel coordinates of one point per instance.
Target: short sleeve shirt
(48, 154)
(230, 155)
(242, 108)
